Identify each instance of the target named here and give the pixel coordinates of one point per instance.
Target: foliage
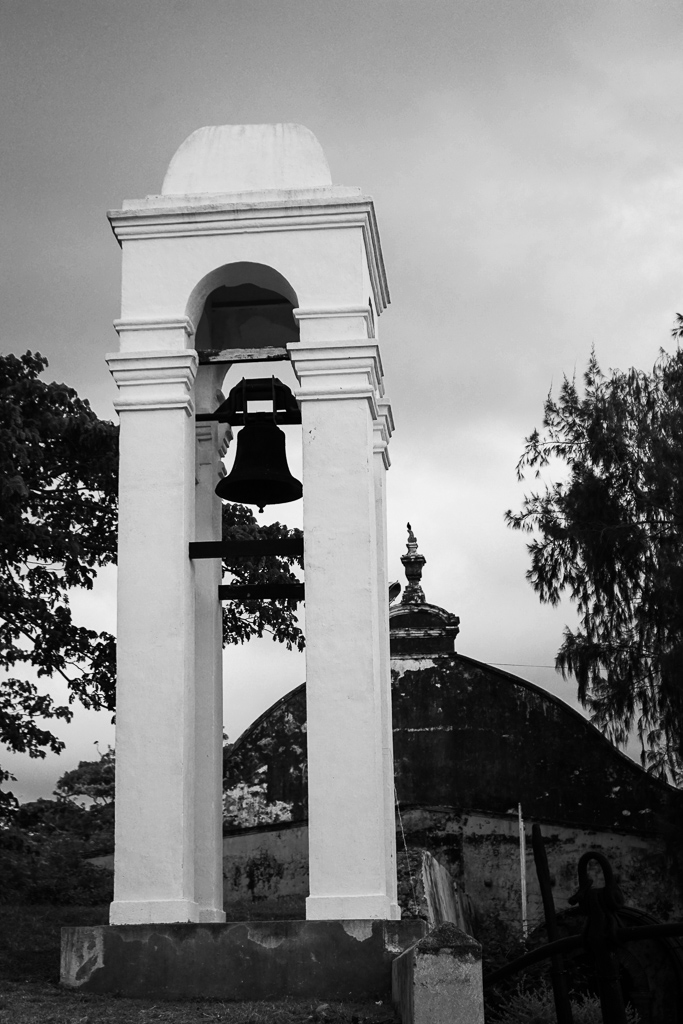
(537, 1006)
(92, 780)
(58, 472)
(45, 844)
(610, 535)
(245, 619)
(58, 486)
(48, 866)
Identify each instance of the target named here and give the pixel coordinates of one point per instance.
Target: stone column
(383, 429)
(340, 382)
(155, 714)
(212, 442)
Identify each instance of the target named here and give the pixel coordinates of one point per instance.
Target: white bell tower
(249, 206)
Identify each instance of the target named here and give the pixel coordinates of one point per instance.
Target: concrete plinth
(246, 961)
(438, 980)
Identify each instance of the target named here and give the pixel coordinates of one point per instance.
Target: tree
(58, 477)
(46, 846)
(58, 486)
(245, 619)
(610, 535)
(92, 780)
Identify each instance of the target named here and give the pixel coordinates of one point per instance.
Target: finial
(413, 563)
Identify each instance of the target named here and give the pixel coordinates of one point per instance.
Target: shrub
(537, 1006)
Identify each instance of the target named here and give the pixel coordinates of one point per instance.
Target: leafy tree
(610, 535)
(46, 845)
(245, 619)
(58, 478)
(92, 780)
(58, 487)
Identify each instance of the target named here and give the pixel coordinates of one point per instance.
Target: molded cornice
(340, 210)
(154, 380)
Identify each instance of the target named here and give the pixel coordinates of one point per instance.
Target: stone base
(241, 961)
(438, 980)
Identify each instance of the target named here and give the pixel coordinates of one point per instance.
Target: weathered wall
(481, 851)
(470, 743)
(266, 870)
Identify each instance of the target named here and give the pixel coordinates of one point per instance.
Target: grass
(30, 991)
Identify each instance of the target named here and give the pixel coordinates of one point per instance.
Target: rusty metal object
(600, 936)
(563, 1008)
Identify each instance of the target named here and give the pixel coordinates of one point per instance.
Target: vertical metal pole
(522, 872)
(563, 1009)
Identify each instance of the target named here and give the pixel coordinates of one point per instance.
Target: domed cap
(247, 158)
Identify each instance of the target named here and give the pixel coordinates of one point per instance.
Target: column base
(122, 912)
(211, 915)
(352, 908)
(238, 961)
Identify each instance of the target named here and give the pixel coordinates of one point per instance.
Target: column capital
(154, 333)
(334, 323)
(383, 428)
(154, 380)
(334, 370)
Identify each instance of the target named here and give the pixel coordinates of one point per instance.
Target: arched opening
(243, 311)
(244, 321)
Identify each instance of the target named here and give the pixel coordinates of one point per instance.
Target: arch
(232, 275)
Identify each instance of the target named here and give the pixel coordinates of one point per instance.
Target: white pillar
(383, 429)
(211, 445)
(155, 733)
(339, 386)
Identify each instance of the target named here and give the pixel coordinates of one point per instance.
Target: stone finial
(413, 563)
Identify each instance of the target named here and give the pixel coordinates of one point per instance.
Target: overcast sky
(526, 162)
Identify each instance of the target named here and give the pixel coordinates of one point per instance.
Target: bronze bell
(260, 474)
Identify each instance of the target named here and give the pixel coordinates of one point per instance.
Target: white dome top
(247, 158)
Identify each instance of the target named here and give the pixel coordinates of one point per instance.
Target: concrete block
(237, 961)
(438, 980)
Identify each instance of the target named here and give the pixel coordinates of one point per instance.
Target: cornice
(383, 429)
(225, 218)
(338, 370)
(154, 380)
(155, 324)
(364, 313)
(329, 356)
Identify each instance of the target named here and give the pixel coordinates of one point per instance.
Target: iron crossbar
(289, 546)
(261, 591)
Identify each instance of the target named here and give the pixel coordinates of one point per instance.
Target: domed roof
(232, 158)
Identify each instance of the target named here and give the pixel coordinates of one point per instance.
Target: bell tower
(247, 215)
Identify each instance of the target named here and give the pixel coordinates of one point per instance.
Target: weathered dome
(247, 158)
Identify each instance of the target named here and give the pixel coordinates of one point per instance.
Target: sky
(526, 163)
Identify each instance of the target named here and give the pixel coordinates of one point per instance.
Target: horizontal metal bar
(571, 942)
(551, 949)
(289, 546)
(649, 931)
(261, 591)
(237, 419)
